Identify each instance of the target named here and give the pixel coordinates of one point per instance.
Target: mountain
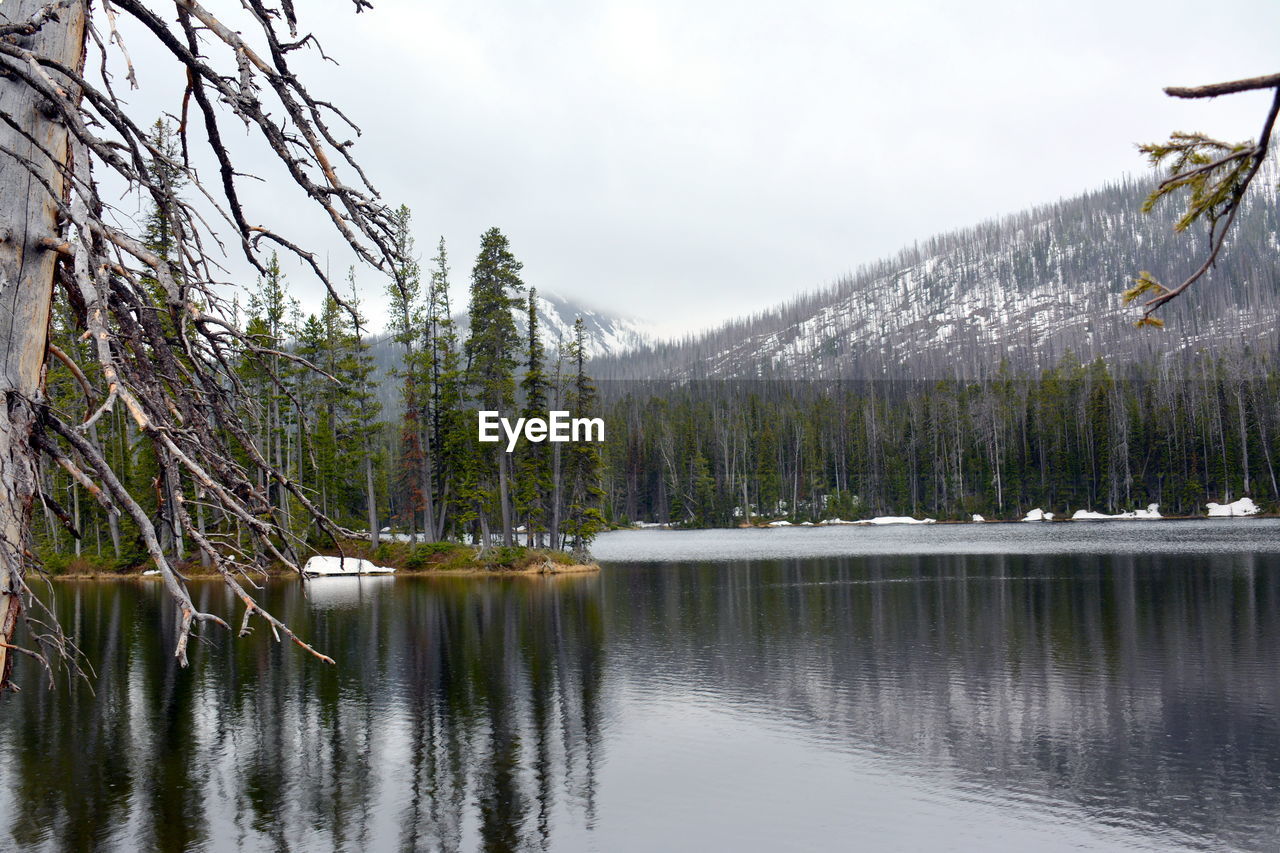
(1025, 288)
(607, 334)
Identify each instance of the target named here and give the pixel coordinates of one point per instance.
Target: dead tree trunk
(371, 496)
(28, 214)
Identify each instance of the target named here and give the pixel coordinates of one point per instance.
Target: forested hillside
(1027, 288)
(987, 371)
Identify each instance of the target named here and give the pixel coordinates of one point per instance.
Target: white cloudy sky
(684, 162)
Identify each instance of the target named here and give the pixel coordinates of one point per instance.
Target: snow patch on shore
(1244, 506)
(897, 519)
(326, 565)
(878, 520)
(1151, 513)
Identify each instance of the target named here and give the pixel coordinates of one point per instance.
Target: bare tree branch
(1213, 90)
(162, 348)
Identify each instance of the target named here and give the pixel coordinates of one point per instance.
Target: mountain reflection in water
(994, 701)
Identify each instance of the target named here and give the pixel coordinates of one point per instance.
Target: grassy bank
(428, 558)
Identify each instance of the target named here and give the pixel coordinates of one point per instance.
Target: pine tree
(583, 519)
(161, 234)
(334, 441)
(406, 321)
(315, 394)
(533, 460)
(364, 411)
(491, 363)
(270, 309)
(445, 421)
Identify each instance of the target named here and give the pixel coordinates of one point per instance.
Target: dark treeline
(1077, 436)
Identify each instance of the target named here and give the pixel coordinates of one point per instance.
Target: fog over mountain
(1027, 287)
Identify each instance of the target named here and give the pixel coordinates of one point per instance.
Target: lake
(1110, 686)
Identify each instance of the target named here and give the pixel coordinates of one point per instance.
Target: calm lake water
(1105, 686)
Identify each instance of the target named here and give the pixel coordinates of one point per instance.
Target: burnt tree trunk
(28, 213)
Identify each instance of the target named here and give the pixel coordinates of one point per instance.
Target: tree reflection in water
(448, 692)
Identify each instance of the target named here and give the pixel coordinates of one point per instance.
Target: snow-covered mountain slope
(1026, 288)
(607, 334)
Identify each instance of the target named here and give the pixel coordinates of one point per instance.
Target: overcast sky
(685, 162)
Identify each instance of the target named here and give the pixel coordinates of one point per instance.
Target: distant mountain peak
(607, 334)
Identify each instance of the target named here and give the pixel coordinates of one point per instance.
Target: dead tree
(165, 354)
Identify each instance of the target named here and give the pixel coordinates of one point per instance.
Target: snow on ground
(323, 565)
(977, 519)
(896, 519)
(403, 537)
(1244, 506)
(1038, 514)
(883, 519)
(1151, 513)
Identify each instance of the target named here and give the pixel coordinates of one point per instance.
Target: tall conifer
(533, 460)
(491, 363)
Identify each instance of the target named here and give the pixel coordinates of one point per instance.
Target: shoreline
(948, 522)
(478, 572)
(434, 559)
(457, 563)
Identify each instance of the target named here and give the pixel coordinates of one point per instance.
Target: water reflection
(451, 694)
(332, 593)
(1141, 689)
(1110, 700)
